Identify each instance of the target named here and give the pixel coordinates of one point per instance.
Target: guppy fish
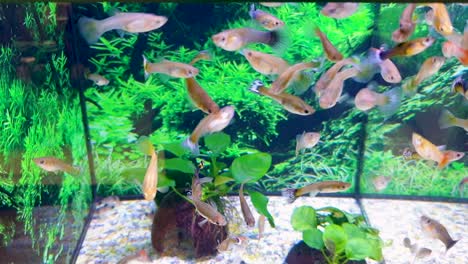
(436, 230)
(230, 242)
(150, 182)
(209, 213)
(286, 78)
(265, 63)
(440, 18)
(329, 97)
(140, 257)
(306, 140)
(331, 52)
(381, 182)
(450, 49)
(92, 29)
(418, 252)
(53, 164)
(429, 67)
(408, 48)
(447, 119)
(429, 151)
(171, 68)
(248, 216)
(290, 103)
(339, 10)
(236, 39)
(407, 25)
(268, 21)
(388, 102)
(460, 86)
(315, 188)
(326, 78)
(213, 122)
(99, 80)
(200, 97)
(202, 55)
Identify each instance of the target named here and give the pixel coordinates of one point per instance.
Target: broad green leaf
(217, 142)
(222, 180)
(260, 203)
(179, 164)
(360, 248)
(353, 231)
(250, 167)
(164, 181)
(335, 238)
(313, 238)
(304, 218)
(175, 148)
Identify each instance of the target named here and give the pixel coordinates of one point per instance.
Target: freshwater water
(105, 101)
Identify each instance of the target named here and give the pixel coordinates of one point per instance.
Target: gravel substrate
(398, 219)
(125, 229)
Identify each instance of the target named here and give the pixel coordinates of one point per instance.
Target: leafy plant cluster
(340, 236)
(36, 123)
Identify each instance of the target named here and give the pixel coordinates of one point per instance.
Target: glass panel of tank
(44, 180)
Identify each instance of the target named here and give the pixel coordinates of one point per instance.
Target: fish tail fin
(393, 103)
(289, 194)
(255, 86)
(192, 146)
(145, 145)
(451, 243)
(145, 66)
(75, 170)
(410, 88)
(280, 40)
(444, 161)
(301, 82)
(90, 29)
(252, 11)
(446, 119)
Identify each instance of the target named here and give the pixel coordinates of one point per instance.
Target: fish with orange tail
(315, 188)
(436, 230)
(331, 52)
(450, 49)
(339, 10)
(429, 151)
(171, 68)
(407, 24)
(213, 122)
(265, 63)
(290, 103)
(447, 119)
(53, 164)
(266, 20)
(408, 48)
(238, 38)
(202, 55)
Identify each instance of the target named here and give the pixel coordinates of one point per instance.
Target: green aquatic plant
(339, 235)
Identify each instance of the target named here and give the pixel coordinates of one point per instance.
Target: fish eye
(190, 72)
(249, 53)
(276, 23)
(223, 39)
(459, 155)
(41, 161)
(306, 111)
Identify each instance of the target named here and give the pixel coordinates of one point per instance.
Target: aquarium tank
(240, 132)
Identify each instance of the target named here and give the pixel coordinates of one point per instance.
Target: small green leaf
(260, 203)
(335, 238)
(180, 165)
(250, 167)
(222, 180)
(217, 142)
(175, 148)
(360, 248)
(313, 238)
(353, 231)
(304, 218)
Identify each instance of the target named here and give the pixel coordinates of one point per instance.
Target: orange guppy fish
(330, 51)
(200, 97)
(171, 68)
(408, 48)
(315, 188)
(436, 230)
(429, 151)
(265, 19)
(53, 164)
(265, 63)
(407, 25)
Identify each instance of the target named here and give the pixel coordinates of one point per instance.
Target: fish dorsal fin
(442, 147)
